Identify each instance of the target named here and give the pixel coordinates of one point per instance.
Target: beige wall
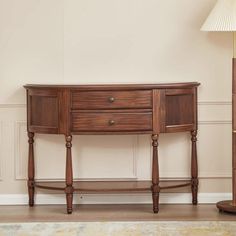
(114, 41)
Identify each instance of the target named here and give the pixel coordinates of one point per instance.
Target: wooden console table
(112, 109)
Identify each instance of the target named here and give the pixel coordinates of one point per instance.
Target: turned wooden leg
(155, 174)
(194, 167)
(31, 168)
(69, 175)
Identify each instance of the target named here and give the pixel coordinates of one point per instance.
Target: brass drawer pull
(111, 99)
(111, 122)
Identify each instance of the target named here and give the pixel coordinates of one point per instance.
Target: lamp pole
(234, 121)
(230, 206)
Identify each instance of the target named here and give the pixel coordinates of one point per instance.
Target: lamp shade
(222, 17)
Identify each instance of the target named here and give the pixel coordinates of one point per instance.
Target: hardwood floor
(112, 213)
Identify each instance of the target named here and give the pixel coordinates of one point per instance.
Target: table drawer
(102, 122)
(111, 99)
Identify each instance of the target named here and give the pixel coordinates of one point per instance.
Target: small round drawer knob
(111, 122)
(111, 99)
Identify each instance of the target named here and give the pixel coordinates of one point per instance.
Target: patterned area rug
(160, 228)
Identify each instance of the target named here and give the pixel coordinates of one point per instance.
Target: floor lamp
(223, 18)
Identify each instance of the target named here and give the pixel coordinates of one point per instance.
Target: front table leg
(69, 175)
(31, 168)
(155, 174)
(194, 167)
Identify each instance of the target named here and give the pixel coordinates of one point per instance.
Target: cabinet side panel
(179, 109)
(43, 111)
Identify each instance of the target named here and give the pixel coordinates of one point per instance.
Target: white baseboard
(165, 198)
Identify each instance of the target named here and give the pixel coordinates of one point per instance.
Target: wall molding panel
(20, 174)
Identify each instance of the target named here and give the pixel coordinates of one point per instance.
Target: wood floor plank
(57, 213)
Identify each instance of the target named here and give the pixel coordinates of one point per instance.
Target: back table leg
(69, 175)
(194, 167)
(155, 174)
(31, 168)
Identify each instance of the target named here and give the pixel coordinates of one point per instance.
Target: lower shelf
(110, 186)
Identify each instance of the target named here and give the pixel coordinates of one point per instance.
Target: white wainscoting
(19, 154)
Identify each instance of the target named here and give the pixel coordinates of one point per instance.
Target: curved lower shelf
(110, 186)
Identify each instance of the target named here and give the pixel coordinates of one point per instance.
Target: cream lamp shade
(222, 17)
